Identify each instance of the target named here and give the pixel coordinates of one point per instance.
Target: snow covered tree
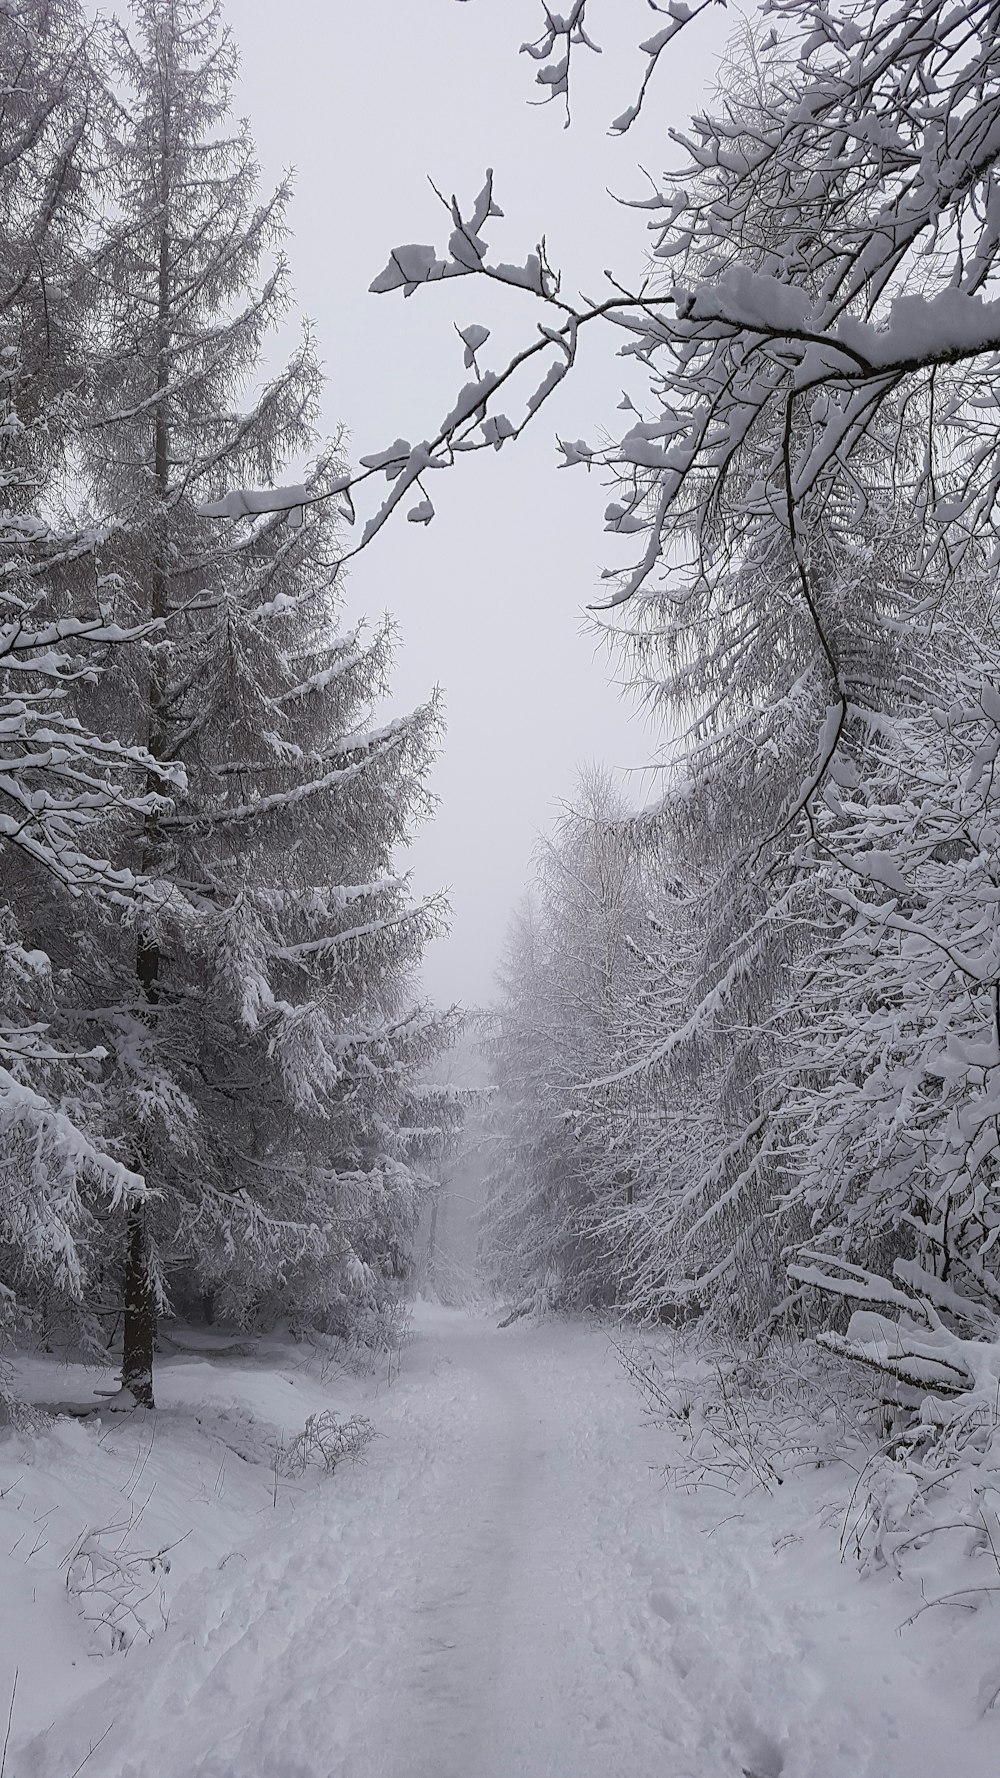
(561, 1162)
(820, 586)
(260, 1033)
(782, 622)
(768, 655)
(894, 1132)
(69, 787)
(440, 1132)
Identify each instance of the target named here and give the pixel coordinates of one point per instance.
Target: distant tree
(559, 1167)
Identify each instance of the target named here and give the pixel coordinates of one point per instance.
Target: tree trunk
(140, 1312)
(430, 1265)
(140, 1294)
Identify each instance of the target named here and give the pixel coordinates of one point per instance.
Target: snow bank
(104, 1519)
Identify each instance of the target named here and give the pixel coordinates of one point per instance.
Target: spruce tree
(262, 1041)
(70, 787)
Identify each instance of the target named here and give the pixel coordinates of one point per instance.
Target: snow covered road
(506, 1590)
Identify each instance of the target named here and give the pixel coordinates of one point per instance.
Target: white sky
(365, 99)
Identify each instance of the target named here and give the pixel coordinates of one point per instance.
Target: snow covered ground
(504, 1589)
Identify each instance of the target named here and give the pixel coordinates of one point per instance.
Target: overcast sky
(366, 99)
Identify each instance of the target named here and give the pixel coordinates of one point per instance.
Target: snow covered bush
(324, 1442)
(736, 1419)
(118, 1591)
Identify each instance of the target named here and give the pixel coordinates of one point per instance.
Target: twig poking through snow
(10, 1718)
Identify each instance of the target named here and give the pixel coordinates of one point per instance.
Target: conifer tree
(563, 1166)
(263, 1038)
(69, 787)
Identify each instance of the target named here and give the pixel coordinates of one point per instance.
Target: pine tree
(69, 787)
(263, 1041)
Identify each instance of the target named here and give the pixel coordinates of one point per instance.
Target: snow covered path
(505, 1590)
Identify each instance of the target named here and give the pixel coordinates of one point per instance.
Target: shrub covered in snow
(325, 1442)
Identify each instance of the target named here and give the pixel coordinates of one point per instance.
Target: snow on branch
(563, 33)
(777, 360)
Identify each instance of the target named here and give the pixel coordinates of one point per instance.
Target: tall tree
(69, 787)
(261, 1042)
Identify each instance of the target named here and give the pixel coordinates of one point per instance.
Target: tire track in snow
(533, 1652)
(459, 1605)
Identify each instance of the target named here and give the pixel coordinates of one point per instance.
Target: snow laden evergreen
(71, 784)
(204, 806)
(896, 1107)
(562, 1159)
(266, 1040)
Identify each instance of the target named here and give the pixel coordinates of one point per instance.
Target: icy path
(506, 1591)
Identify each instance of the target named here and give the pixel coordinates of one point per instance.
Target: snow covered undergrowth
(506, 1589)
(104, 1519)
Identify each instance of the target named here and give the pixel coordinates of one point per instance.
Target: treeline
(210, 1054)
(748, 1044)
